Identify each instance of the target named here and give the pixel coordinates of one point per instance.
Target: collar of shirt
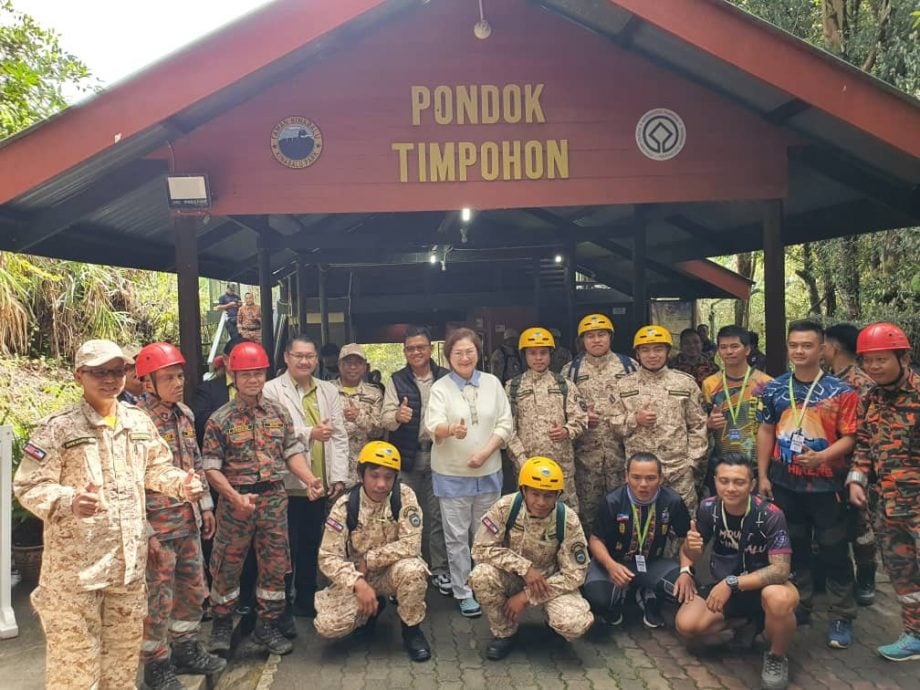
(242, 405)
(163, 410)
(301, 391)
(95, 419)
(599, 361)
(462, 382)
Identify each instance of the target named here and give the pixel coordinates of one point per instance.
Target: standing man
(732, 398)
(561, 354)
(134, 387)
(229, 303)
(530, 551)
(658, 411)
(405, 403)
(549, 412)
(329, 362)
(888, 451)
(839, 355)
(316, 410)
(599, 458)
(691, 359)
(808, 423)
(249, 319)
(176, 587)
(83, 472)
(505, 362)
(361, 404)
(250, 446)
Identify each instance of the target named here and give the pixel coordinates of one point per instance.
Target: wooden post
(640, 273)
(301, 295)
(536, 288)
(774, 278)
(323, 306)
(569, 259)
(265, 296)
(186, 240)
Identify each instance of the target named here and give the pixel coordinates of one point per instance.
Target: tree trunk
(835, 25)
(848, 276)
(807, 274)
(744, 265)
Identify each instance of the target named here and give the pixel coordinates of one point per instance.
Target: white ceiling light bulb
(558, 258)
(482, 29)
(433, 259)
(466, 214)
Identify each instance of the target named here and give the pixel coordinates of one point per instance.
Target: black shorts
(740, 605)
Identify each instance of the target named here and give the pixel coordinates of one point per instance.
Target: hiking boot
(906, 648)
(191, 657)
(499, 648)
(775, 673)
(269, 636)
(160, 675)
(221, 634)
(839, 633)
(441, 582)
(651, 610)
(286, 625)
(416, 644)
(865, 585)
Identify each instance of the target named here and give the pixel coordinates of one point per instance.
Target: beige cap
(352, 349)
(94, 353)
(130, 351)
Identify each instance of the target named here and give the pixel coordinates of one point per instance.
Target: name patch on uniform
(273, 424)
(139, 436)
(491, 526)
(73, 443)
(334, 524)
(34, 451)
(628, 394)
(679, 394)
(579, 553)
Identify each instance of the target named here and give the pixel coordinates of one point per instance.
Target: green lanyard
(732, 411)
(642, 532)
(798, 416)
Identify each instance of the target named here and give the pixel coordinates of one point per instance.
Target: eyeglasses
(101, 374)
(409, 349)
(464, 353)
(298, 357)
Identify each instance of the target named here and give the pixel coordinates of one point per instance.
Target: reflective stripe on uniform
(152, 645)
(211, 463)
(912, 598)
(183, 626)
(269, 595)
(229, 596)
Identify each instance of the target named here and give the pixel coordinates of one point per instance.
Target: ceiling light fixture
(482, 29)
(466, 214)
(558, 258)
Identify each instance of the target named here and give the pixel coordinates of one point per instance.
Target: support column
(265, 296)
(323, 306)
(569, 258)
(186, 242)
(774, 278)
(301, 295)
(536, 288)
(640, 273)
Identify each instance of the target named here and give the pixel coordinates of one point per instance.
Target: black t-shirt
(227, 298)
(617, 529)
(763, 532)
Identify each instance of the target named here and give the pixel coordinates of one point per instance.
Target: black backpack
(627, 363)
(354, 505)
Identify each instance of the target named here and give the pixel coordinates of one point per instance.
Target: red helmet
(156, 356)
(248, 356)
(878, 337)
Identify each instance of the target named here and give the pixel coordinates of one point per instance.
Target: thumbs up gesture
(404, 413)
(244, 504)
(693, 544)
(558, 432)
(87, 502)
(351, 410)
(191, 487)
(458, 431)
(322, 431)
(645, 415)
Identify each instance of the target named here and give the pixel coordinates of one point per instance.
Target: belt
(259, 487)
(424, 446)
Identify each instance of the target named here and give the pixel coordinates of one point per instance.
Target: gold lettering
(422, 163)
(511, 158)
(489, 100)
(443, 105)
(489, 157)
(533, 159)
(532, 103)
(467, 105)
(557, 154)
(421, 100)
(403, 150)
(443, 162)
(511, 103)
(467, 152)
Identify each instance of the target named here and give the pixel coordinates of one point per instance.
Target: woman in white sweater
(469, 418)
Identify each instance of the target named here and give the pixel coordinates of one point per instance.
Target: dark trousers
(305, 530)
(606, 598)
(822, 517)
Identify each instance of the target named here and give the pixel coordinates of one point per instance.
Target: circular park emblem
(661, 134)
(297, 142)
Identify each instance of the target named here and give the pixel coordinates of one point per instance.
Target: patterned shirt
(830, 414)
(739, 435)
(250, 443)
(699, 368)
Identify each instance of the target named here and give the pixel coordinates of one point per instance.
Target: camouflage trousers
(683, 481)
(266, 530)
(865, 550)
(407, 579)
(597, 471)
(92, 637)
(899, 542)
(568, 614)
(175, 592)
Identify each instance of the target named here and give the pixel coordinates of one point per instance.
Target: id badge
(640, 564)
(797, 442)
(734, 434)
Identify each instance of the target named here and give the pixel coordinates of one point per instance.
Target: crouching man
(633, 527)
(530, 551)
(751, 558)
(372, 549)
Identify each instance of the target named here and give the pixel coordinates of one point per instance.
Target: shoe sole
(912, 657)
(475, 614)
(651, 626)
(833, 644)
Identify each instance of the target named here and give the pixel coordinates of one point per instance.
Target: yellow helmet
(380, 453)
(595, 322)
(536, 337)
(651, 335)
(541, 473)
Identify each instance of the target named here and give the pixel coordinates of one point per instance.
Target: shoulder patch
(415, 519)
(491, 526)
(334, 524)
(580, 553)
(34, 451)
(79, 441)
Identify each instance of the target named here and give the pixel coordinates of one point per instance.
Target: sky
(116, 38)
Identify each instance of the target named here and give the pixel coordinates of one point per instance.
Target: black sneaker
(802, 616)
(221, 634)
(499, 648)
(268, 635)
(416, 643)
(192, 658)
(651, 610)
(865, 585)
(160, 675)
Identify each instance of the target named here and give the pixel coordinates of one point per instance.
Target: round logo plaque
(297, 142)
(661, 134)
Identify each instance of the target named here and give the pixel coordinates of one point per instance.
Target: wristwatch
(732, 582)
(688, 569)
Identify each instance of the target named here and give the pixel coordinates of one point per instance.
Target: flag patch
(34, 451)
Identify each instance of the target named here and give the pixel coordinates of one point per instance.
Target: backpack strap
(575, 367)
(560, 521)
(513, 393)
(396, 499)
(626, 363)
(513, 514)
(564, 389)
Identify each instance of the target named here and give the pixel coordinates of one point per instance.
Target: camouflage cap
(352, 349)
(94, 353)
(130, 351)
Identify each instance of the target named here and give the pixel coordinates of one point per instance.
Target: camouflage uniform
(888, 450)
(250, 444)
(503, 558)
(175, 585)
(537, 406)
(393, 551)
(699, 368)
(91, 597)
(599, 457)
(367, 427)
(678, 437)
